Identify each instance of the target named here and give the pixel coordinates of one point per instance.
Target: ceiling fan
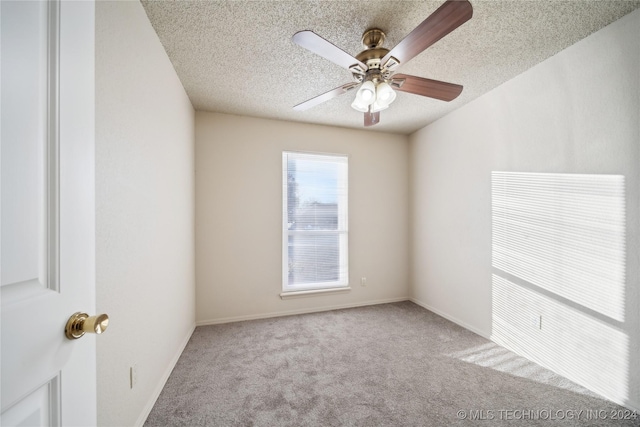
(373, 69)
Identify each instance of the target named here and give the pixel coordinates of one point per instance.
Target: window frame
(342, 231)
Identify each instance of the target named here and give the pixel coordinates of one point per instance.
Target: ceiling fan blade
(325, 96)
(371, 119)
(426, 87)
(445, 19)
(316, 44)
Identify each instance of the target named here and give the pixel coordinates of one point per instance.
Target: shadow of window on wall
(558, 283)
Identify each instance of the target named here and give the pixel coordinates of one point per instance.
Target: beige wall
(577, 112)
(239, 215)
(427, 196)
(144, 212)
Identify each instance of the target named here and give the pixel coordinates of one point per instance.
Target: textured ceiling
(237, 57)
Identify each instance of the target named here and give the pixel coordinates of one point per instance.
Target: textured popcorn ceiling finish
(237, 57)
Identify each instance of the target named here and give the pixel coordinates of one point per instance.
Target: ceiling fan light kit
(373, 69)
(384, 94)
(365, 96)
(379, 100)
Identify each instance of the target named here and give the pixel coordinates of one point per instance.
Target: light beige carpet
(385, 365)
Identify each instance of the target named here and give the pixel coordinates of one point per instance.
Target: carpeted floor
(385, 365)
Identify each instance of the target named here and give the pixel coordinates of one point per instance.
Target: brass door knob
(81, 323)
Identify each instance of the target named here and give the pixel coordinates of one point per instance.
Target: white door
(47, 212)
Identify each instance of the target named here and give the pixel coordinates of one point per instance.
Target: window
(314, 221)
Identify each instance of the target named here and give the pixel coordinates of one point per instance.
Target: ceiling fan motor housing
(372, 39)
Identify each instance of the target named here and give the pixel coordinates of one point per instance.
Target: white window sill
(313, 292)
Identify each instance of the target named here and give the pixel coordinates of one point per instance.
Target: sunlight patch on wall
(569, 342)
(564, 233)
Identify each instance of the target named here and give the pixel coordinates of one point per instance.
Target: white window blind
(314, 221)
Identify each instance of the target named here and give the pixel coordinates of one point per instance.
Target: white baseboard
(163, 380)
(451, 318)
(294, 312)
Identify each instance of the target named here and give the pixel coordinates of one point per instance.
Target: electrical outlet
(363, 281)
(536, 321)
(133, 376)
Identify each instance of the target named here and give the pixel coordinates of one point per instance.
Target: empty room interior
(193, 114)
(511, 211)
(368, 212)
